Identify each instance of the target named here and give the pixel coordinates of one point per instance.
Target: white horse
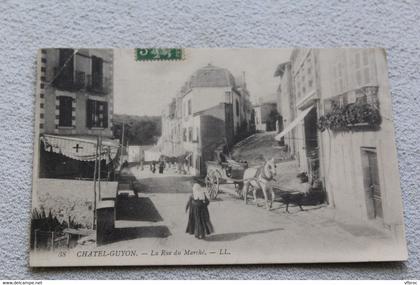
(259, 178)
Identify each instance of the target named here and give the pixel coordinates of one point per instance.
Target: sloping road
(243, 231)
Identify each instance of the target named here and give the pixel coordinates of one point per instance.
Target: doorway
(311, 143)
(371, 183)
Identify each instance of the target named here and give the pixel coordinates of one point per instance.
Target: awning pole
(94, 184)
(99, 167)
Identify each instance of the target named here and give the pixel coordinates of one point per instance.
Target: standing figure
(161, 166)
(153, 166)
(199, 223)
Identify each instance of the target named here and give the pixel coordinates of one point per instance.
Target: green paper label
(146, 54)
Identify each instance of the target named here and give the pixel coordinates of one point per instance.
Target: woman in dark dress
(199, 223)
(161, 166)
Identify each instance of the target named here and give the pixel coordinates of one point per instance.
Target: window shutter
(105, 114)
(66, 67)
(65, 107)
(97, 72)
(89, 113)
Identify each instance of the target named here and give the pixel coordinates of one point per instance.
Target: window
(340, 75)
(227, 97)
(297, 88)
(308, 65)
(357, 60)
(97, 73)
(64, 72)
(362, 64)
(190, 134)
(189, 107)
(310, 83)
(237, 107)
(65, 111)
(96, 114)
(66, 61)
(184, 134)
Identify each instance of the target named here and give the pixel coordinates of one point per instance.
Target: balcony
(68, 81)
(79, 81)
(354, 110)
(98, 84)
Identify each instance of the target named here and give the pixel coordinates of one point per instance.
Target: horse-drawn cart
(230, 172)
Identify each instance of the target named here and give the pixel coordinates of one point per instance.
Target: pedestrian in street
(153, 166)
(199, 223)
(161, 166)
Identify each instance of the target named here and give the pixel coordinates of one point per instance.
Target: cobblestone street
(298, 236)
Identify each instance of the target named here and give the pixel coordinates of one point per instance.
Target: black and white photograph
(173, 156)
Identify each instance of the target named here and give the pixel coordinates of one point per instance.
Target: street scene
(214, 156)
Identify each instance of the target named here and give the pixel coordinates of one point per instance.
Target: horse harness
(260, 172)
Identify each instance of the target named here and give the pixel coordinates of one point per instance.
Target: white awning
(294, 123)
(80, 148)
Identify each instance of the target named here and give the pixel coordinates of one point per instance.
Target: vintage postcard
(214, 156)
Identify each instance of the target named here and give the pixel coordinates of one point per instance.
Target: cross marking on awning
(77, 147)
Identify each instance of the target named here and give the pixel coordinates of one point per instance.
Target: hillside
(119, 118)
(139, 130)
(263, 145)
(258, 147)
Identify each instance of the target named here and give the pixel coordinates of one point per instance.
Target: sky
(145, 87)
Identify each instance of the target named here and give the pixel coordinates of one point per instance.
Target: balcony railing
(97, 84)
(79, 81)
(366, 94)
(353, 110)
(68, 81)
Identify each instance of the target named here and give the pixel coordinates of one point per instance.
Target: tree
(137, 130)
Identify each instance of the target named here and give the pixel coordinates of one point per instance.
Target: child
(198, 218)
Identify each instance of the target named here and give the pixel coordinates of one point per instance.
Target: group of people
(160, 164)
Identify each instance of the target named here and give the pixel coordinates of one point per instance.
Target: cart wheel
(212, 185)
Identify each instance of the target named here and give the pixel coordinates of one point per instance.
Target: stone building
(263, 111)
(344, 134)
(75, 98)
(210, 112)
(286, 104)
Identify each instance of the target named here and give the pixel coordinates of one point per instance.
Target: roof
(212, 76)
(281, 69)
(263, 104)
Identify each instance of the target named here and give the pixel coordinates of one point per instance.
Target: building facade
(286, 104)
(77, 97)
(263, 112)
(76, 107)
(344, 133)
(210, 112)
